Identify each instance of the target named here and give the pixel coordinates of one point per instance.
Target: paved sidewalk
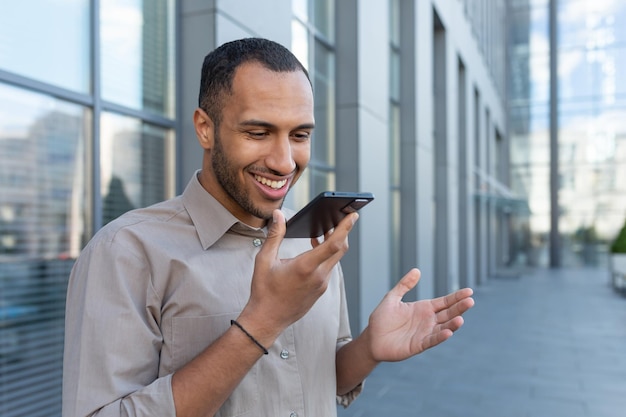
(549, 344)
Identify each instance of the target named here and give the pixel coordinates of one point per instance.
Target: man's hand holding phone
(284, 290)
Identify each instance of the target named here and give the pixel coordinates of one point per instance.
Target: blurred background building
(492, 133)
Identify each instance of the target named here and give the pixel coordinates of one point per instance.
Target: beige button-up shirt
(157, 286)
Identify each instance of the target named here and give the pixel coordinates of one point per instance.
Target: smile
(270, 183)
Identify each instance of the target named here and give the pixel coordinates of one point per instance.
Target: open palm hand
(399, 330)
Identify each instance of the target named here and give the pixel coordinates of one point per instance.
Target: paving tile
(549, 344)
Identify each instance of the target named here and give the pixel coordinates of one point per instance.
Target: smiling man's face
(262, 143)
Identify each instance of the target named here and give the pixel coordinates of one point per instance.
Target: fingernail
(275, 216)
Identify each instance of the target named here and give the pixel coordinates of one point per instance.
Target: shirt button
(293, 414)
(257, 242)
(284, 354)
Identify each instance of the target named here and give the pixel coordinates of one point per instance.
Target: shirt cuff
(346, 399)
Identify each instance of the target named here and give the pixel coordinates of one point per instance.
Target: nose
(280, 157)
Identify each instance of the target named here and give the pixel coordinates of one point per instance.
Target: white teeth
(273, 184)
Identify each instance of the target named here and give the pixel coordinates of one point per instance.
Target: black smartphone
(324, 212)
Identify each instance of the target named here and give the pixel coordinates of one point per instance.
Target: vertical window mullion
(94, 171)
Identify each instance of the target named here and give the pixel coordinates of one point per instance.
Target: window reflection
(47, 200)
(135, 164)
(42, 174)
(138, 54)
(592, 195)
(42, 228)
(592, 108)
(29, 42)
(324, 86)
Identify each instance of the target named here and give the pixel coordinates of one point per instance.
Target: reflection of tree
(116, 202)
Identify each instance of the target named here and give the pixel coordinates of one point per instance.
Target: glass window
(395, 180)
(137, 49)
(318, 13)
(394, 23)
(30, 42)
(300, 9)
(324, 89)
(394, 82)
(323, 14)
(394, 145)
(529, 116)
(300, 43)
(43, 225)
(312, 35)
(592, 103)
(136, 165)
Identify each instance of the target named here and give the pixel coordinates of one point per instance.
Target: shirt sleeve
(112, 335)
(345, 336)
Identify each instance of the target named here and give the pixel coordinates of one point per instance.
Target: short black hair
(219, 68)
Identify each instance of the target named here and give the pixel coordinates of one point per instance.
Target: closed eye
(301, 136)
(257, 134)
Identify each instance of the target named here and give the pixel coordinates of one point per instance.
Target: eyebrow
(261, 123)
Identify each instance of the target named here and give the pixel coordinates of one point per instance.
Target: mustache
(265, 170)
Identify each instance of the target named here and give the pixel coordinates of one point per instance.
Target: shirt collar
(210, 218)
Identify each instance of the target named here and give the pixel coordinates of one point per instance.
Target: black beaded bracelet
(256, 342)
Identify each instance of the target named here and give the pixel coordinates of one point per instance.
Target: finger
(326, 254)
(345, 225)
(443, 332)
(315, 242)
(450, 299)
(436, 338)
(456, 310)
(334, 244)
(406, 284)
(275, 234)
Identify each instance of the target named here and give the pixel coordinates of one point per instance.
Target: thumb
(406, 284)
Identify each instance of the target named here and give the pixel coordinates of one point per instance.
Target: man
(197, 306)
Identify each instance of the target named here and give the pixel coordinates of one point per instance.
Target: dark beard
(227, 177)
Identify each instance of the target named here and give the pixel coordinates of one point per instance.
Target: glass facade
(94, 114)
(592, 132)
(591, 136)
(529, 119)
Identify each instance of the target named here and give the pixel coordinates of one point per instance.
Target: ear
(204, 128)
